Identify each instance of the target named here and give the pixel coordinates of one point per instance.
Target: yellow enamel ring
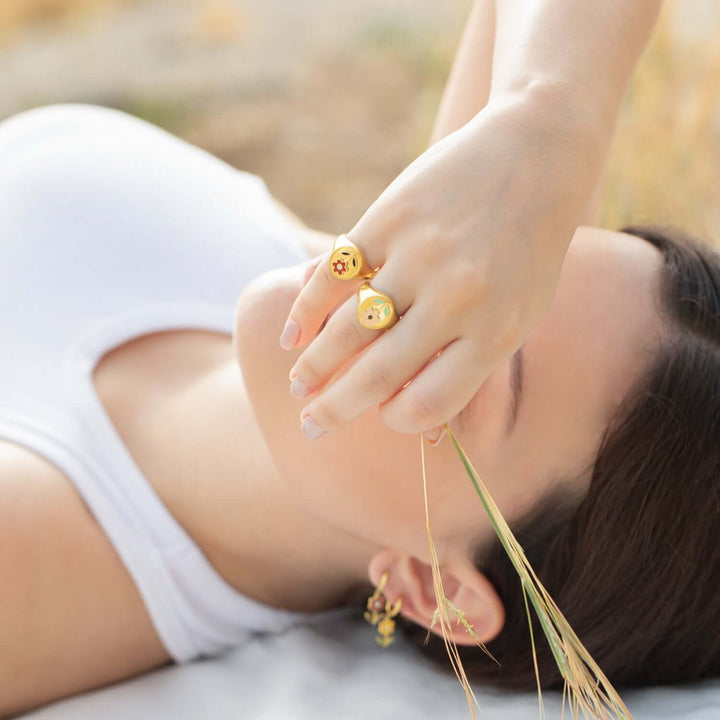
(375, 310)
(348, 261)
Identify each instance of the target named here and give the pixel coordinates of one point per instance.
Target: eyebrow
(516, 387)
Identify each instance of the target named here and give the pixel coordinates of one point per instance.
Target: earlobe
(466, 588)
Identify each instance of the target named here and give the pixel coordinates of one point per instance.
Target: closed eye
(516, 389)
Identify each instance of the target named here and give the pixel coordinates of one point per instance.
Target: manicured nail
(434, 436)
(290, 334)
(311, 428)
(298, 388)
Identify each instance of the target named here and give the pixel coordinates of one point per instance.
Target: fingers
(343, 336)
(340, 339)
(387, 364)
(435, 435)
(321, 294)
(438, 392)
(310, 269)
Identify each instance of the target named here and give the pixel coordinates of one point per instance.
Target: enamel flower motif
(340, 267)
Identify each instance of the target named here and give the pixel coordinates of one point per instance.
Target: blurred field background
(328, 101)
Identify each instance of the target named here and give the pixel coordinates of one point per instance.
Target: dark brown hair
(635, 564)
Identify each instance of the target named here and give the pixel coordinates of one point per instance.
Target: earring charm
(380, 612)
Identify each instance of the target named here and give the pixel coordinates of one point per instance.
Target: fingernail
(434, 436)
(311, 428)
(290, 334)
(298, 388)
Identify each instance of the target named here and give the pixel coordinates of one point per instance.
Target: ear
(466, 587)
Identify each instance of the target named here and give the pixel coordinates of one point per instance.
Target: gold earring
(381, 613)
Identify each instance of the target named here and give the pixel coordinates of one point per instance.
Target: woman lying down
(158, 501)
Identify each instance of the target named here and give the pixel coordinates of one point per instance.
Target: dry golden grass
(15, 14)
(664, 162)
(588, 691)
(364, 110)
(663, 165)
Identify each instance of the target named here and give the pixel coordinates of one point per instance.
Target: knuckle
(425, 410)
(346, 334)
(511, 335)
(305, 305)
(508, 334)
(434, 245)
(309, 372)
(325, 414)
(504, 343)
(466, 282)
(377, 384)
(326, 279)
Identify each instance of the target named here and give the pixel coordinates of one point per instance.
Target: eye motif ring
(375, 310)
(348, 261)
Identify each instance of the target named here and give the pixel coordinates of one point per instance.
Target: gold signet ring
(348, 261)
(375, 310)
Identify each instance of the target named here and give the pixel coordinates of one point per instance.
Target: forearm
(565, 65)
(468, 86)
(587, 50)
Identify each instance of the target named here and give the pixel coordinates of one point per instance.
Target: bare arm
(590, 49)
(482, 220)
(468, 87)
(586, 49)
(71, 618)
(469, 84)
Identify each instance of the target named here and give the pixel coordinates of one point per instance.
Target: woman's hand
(469, 239)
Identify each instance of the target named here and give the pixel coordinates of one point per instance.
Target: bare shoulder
(72, 618)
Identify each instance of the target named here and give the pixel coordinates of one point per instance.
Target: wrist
(559, 132)
(558, 109)
(556, 148)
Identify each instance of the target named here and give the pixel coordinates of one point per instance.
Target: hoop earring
(381, 612)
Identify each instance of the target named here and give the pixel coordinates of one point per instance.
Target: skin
(470, 237)
(365, 481)
(350, 506)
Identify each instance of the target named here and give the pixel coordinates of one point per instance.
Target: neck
(245, 520)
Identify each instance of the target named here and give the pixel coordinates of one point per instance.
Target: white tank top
(110, 229)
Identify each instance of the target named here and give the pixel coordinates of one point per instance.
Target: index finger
(321, 294)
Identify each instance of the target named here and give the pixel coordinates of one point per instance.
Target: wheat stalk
(586, 688)
(443, 604)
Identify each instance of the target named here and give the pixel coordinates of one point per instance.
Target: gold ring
(375, 310)
(348, 261)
